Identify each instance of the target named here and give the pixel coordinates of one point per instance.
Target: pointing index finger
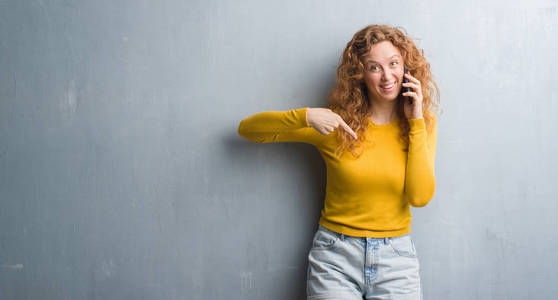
(347, 128)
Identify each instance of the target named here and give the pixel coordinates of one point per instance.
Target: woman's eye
(394, 62)
(373, 68)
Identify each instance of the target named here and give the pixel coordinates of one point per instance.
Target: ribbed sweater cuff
(416, 125)
(301, 116)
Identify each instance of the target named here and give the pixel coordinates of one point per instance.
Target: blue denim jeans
(346, 267)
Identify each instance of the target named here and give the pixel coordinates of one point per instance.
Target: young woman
(379, 145)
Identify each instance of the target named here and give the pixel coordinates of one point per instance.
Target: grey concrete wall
(122, 175)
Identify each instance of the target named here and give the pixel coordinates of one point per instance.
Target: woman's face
(383, 71)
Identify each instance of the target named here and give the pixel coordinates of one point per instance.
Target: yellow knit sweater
(367, 196)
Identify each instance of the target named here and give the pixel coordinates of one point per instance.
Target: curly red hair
(349, 98)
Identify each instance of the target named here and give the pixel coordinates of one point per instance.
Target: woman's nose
(389, 74)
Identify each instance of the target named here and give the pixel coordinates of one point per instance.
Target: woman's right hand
(325, 121)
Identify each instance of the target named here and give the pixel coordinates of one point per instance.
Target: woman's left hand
(413, 111)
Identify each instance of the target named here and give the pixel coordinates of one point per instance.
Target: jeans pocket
(324, 240)
(403, 246)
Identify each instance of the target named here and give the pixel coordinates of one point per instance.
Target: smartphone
(406, 89)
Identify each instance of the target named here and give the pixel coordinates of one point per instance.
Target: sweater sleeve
(420, 182)
(279, 126)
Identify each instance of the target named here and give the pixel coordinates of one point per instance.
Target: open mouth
(387, 87)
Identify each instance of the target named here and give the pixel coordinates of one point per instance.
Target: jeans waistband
(342, 236)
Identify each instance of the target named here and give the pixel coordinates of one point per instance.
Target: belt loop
(386, 240)
(342, 237)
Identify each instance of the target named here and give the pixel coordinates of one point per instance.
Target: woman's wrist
(416, 116)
